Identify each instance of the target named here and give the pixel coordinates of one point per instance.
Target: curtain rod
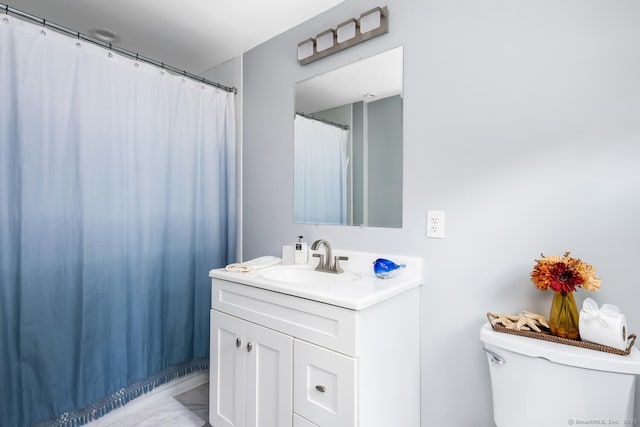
(327, 122)
(121, 51)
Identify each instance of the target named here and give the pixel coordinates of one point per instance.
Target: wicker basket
(546, 336)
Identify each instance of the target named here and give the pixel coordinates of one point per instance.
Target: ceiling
(192, 35)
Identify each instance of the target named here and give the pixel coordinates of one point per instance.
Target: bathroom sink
(304, 275)
(357, 288)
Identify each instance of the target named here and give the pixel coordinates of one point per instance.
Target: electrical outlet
(435, 224)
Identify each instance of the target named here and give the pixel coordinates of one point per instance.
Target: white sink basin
(357, 288)
(306, 276)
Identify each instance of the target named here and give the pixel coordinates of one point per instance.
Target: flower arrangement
(563, 274)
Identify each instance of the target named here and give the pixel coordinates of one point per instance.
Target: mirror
(348, 144)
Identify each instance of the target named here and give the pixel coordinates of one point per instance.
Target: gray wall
(357, 162)
(384, 170)
(521, 122)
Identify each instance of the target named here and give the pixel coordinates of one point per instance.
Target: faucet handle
(321, 263)
(337, 263)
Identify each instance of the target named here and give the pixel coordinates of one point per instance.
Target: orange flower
(541, 274)
(563, 274)
(588, 273)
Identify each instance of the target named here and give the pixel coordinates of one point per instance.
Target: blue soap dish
(384, 268)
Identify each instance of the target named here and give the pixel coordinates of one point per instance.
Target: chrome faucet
(328, 263)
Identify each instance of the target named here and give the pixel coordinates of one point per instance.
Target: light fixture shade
(305, 49)
(347, 30)
(370, 20)
(325, 40)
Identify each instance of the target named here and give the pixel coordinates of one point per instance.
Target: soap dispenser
(300, 253)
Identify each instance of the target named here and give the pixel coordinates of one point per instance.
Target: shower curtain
(320, 172)
(116, 198)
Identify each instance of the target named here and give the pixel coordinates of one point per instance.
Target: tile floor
(197, 401)
(181, 403)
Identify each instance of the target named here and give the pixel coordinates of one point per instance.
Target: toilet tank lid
(561, 353)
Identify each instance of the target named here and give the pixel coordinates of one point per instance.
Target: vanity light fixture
(371, 23)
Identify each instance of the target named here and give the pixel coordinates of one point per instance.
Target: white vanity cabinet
(279, 360)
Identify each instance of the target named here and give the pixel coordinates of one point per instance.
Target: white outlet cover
(435, 224)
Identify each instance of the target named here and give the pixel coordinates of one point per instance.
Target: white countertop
(363, 291)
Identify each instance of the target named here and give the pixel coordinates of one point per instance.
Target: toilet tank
(538, 383)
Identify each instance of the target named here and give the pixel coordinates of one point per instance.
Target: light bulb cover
(325, 40)
(347, 30)
(370, 20)
(305, 49)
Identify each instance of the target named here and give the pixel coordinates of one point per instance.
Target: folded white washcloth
(254, 264)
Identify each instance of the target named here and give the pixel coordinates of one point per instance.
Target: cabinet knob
(238, 342)
(249, 346)
(321, 388)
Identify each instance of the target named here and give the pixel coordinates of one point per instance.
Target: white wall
(521, 122)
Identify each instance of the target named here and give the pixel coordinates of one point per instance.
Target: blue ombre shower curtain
(116, 198)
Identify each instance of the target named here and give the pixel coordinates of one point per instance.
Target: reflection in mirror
(348, 144)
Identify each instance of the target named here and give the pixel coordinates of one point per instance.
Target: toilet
(537, 383)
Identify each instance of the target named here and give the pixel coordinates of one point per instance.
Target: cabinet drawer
(323, 324)
(324, 385)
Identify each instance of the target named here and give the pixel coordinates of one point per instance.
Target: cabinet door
(269, 378)
(227, 371)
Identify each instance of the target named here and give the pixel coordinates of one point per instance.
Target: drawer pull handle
(238, 342)
(249, 346)
(321, 388)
